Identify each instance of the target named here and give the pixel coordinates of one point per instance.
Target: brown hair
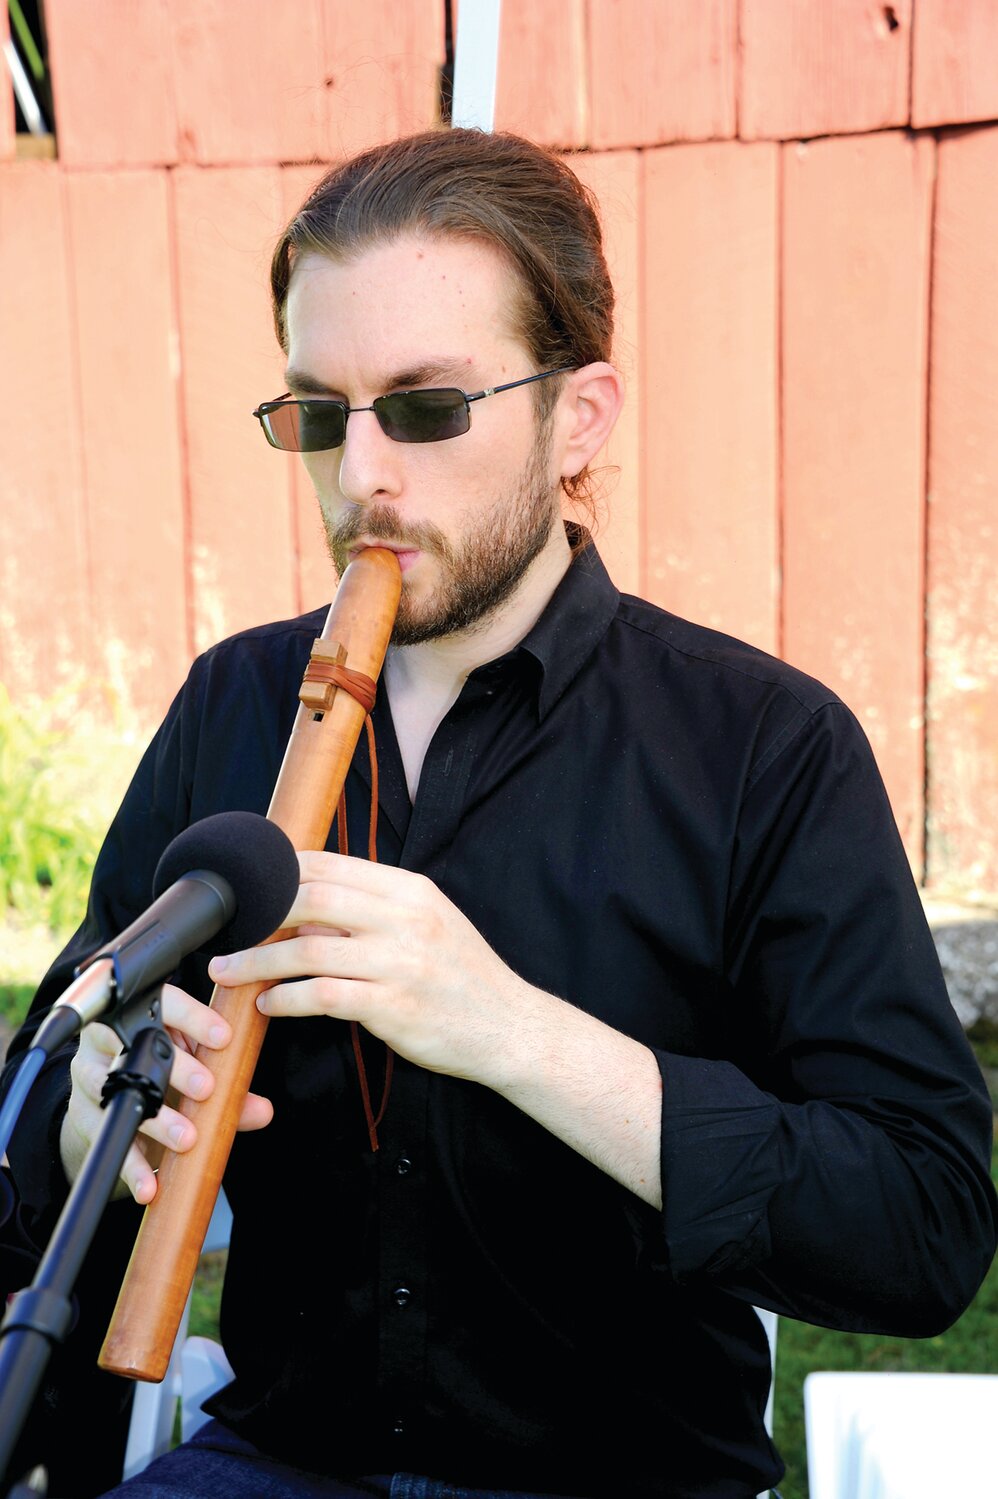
(500, 188)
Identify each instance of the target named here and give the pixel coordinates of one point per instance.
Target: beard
(479, 572)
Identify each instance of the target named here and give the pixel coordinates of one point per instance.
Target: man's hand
(385, 947)
(190, 1024)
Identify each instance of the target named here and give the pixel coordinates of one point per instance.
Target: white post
(476, 59)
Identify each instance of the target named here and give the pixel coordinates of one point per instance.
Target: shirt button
(403, 1165)
(402, 1295)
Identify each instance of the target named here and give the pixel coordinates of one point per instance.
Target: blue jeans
(217, 1462)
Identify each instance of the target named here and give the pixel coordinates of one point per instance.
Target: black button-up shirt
(690, 840)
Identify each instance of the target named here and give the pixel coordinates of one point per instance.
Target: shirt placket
(405, 1277)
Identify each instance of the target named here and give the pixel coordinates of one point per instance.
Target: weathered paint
(213, 83)
(954, 77)
(118, 228)
(822, 69)
(45, 599)
(382, 62)
(242, 539)
(542, 83)
(268, 72)
(962, 610)
(709, 380)
(112, 82)
(855, 297)
(662, 72)
(316, 575)
(615, 178)
(695, 506)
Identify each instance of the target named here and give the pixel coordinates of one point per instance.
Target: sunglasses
(410, 416)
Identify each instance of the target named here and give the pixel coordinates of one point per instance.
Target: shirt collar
(573, 623)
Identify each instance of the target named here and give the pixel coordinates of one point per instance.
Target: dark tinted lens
(423, 415)
(305, 426)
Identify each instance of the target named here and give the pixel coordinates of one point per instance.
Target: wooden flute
(318, 755)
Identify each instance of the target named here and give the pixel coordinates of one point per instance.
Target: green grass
(14, 1001)
(50, 840)
(64, 764)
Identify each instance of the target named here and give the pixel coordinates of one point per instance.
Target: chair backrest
(770, 1322)
(900, 1436)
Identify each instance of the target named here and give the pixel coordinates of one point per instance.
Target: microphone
(225, 883)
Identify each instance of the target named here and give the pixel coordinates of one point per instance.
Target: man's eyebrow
(302, 383)
(447, 371)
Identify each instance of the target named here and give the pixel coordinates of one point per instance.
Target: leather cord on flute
(327, 727)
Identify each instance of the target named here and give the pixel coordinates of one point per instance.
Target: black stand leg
(39, 1316)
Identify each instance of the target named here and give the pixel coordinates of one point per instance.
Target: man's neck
(424, 681)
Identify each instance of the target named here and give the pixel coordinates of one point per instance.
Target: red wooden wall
(802, 226)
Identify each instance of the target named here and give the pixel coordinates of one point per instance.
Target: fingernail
(217, 966)
(217, 1035)
(198, 1084)
(177, 1134)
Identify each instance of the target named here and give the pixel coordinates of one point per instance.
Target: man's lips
(406, 555)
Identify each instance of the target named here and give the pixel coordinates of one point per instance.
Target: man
(670, 1037)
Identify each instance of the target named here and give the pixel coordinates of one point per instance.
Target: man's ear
(587, 412)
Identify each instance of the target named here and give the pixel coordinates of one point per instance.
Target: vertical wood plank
(616, 179)
(954, 68)
(316, 574)
(128, 372)
(710, 385)
(44, 595)
(8, 135)
(242, 540)
(662, 72)
(822, 69)
(249, 80)
(855, 295)
(112, 82)
(542, 82)
(383, 61)
(963, 521)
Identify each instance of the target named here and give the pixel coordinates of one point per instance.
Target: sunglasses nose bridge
(369, 464)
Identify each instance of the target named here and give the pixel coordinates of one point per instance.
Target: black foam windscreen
(256, 858)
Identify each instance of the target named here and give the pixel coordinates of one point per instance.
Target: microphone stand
(39, 1316)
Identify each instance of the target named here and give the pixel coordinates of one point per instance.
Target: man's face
(467, 515)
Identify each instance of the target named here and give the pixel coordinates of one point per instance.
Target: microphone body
(240, 901)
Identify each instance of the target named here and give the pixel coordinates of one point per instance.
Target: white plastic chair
(770, 1322)
(197, 1368)
(900, 1436)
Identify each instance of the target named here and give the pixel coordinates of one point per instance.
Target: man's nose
(370, 463)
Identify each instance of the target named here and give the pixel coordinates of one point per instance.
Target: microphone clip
(146, 1064)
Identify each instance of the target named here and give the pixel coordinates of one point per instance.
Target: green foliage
(50, 840)
(984, 1038)
(207, 1294)
(14, 1002)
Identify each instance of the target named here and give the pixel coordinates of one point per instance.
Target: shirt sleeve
(837, 1171)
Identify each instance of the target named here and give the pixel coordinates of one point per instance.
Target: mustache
(384, 523)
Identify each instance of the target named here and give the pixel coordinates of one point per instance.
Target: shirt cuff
(720, 1166)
